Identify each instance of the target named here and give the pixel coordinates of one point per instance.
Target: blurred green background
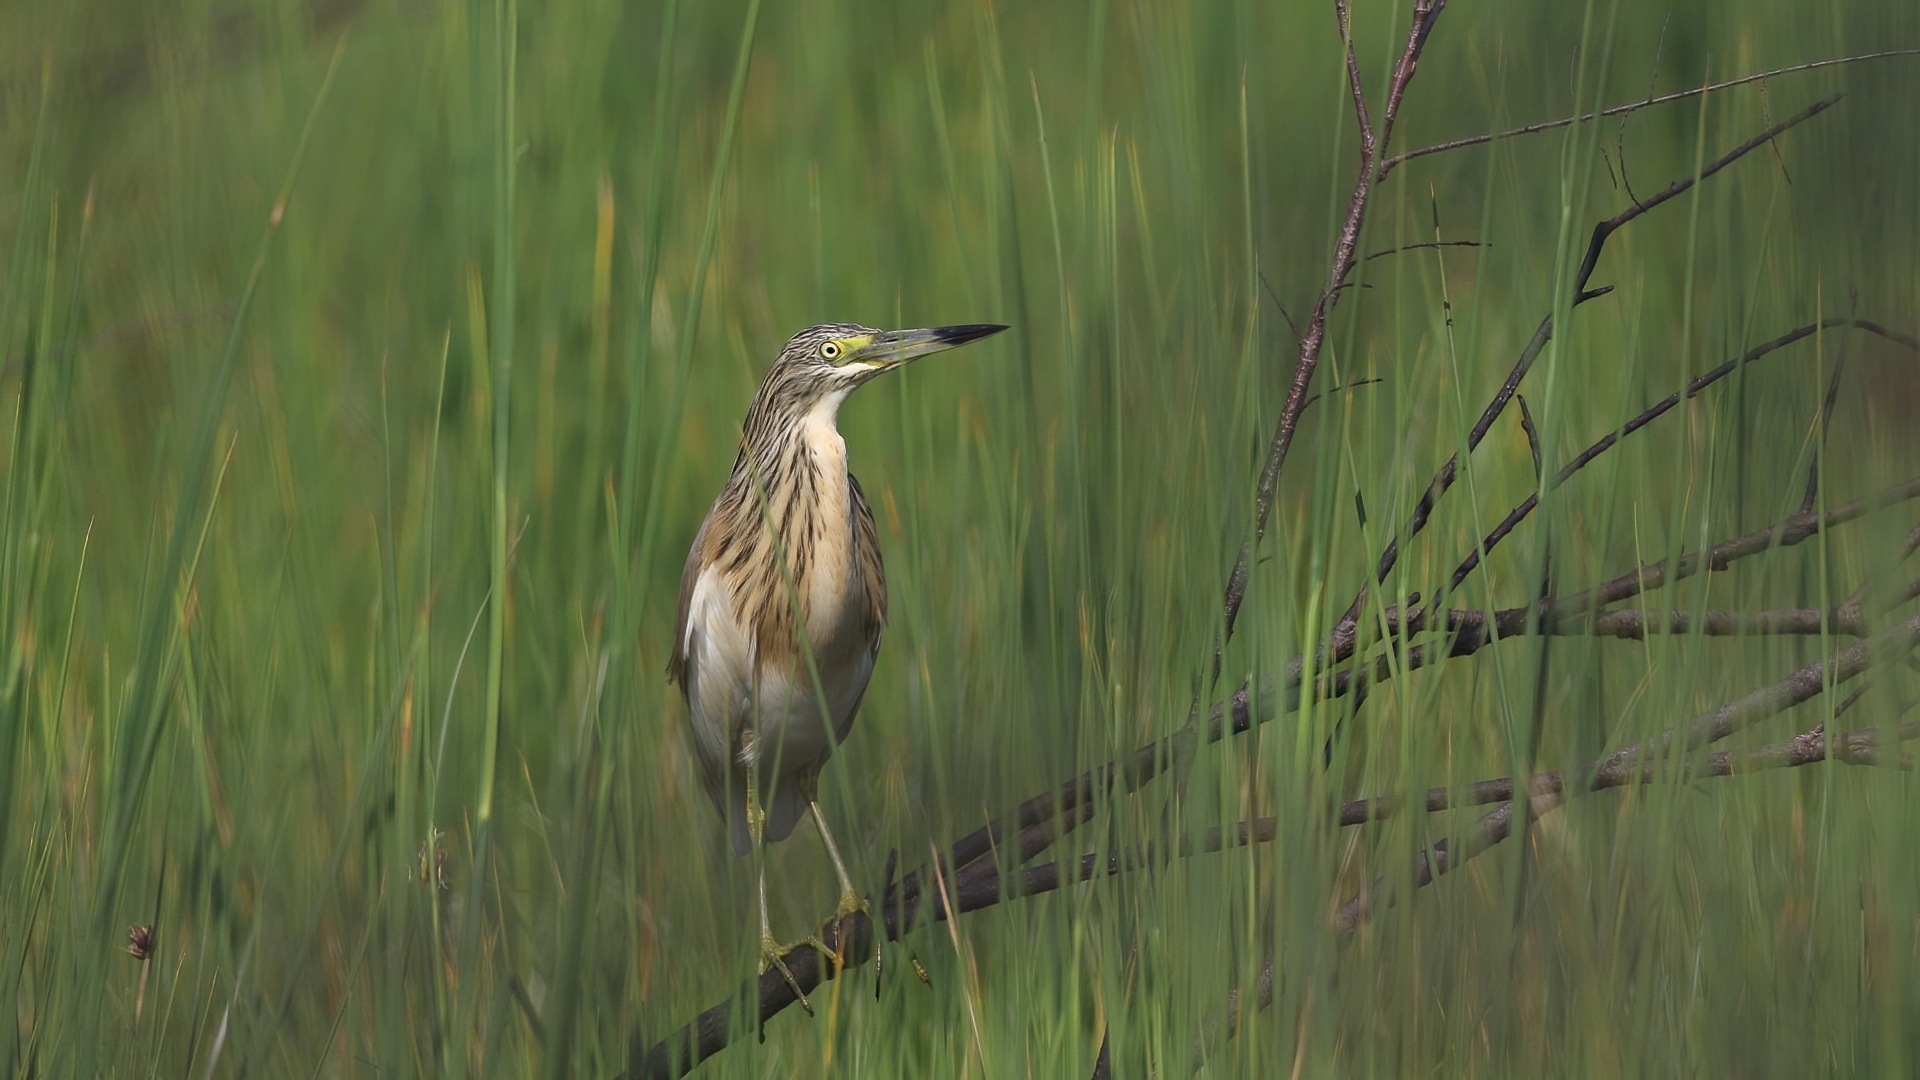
(268, 458)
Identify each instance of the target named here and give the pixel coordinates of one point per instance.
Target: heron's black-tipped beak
(889, 349)
(951, 336)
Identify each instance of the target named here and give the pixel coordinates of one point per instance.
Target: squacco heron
(783, 598)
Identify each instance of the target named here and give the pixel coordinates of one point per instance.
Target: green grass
(340, 547)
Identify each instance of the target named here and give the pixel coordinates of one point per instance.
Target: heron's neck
(791, 505)
(796, 480)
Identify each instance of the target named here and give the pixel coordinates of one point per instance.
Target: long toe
(773, 957)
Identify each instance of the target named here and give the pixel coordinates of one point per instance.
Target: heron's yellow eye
(830, 350)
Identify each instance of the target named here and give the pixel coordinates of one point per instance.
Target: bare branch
(1679, 187)
(1341, 642)
(1428, 244)
(1786, 534)
(1471, 631)
(1243, 710)
(1425, 12)
(1842, 621)
(1768, 700)
(1477, 140)
(1607, 442)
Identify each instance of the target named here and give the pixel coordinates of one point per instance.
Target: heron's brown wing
(697, 558)
(867, 563)
(872, 576)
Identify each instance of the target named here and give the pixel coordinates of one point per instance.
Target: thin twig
(1427, 244)
(1681, 95)
(1826, 417)
(1533, 438)
(1292, 328)
(1620, 136)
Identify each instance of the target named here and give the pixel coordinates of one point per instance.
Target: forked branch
(1342, 641)
(1372, 143)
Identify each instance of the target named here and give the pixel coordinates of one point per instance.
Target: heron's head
(827, 362)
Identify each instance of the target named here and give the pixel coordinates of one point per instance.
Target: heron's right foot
(773, 957)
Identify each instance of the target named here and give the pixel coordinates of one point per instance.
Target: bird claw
(773, 957)
(851, 904)
(773, 954)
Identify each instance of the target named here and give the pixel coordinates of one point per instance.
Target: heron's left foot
(851, 904)
(773, 957)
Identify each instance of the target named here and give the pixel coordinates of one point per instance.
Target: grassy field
(369, 366)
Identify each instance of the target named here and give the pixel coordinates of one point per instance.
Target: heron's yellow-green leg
(850, 899)
(772, 953)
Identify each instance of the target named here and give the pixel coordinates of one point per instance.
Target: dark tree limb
(1846, 619)
(1471, 631)
(1789, 532)
(1634, 625)
(1866, 746)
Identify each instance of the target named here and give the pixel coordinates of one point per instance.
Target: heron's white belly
(751, 716)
